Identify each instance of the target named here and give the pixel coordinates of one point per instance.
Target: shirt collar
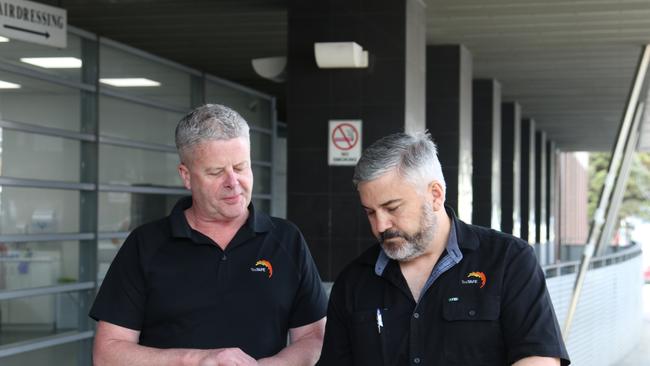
(257, 221)
(452, 248)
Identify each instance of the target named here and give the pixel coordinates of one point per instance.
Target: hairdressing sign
(33, 22)
(344, 142)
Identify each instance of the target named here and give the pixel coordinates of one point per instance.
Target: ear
(184, 172)
(437, 194)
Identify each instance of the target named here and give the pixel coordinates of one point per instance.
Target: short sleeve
(310, 303)
(337, 346)
(121, 297)
(529, 323)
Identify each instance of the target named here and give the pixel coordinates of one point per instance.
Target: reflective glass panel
(255, 110)
(13, 51)
(65, 354)
(40, 103)
(38, 316)
(38, 211)
(262, 204)
(173, 85)
(262, 179)
(133, 121)
(137, 167)
(38, 264)
(260, 146)
(125, 211)
(34, 156)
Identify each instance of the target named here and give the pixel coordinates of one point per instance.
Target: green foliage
(636, 201)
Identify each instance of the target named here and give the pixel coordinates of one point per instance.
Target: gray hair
(414, 156)
(209, 122)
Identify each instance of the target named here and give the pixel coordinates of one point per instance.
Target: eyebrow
(387, 203)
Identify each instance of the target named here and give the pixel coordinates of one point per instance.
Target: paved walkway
(640, 355)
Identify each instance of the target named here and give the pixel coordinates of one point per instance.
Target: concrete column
(541, 223)
(449, 119)
(552, 201)
(528, 222)
(388, 97)
(511, 168)
(486, 139)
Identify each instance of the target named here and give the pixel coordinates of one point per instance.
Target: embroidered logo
(263, 266)
(474, 278)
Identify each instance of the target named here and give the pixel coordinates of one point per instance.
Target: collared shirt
(181, 290)
(489, 308)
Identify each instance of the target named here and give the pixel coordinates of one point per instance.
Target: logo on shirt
(263, 265)
(474, 278)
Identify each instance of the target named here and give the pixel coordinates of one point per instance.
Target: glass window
(13, 51)
(128, 120)
(38, 211)
(40, 103)
(255, 110)
(262, 204)
(171, 86)
(38, 264)
(65, 354)
(34, 156)
(38, 316)
(262, 179)
(120, 211)
(260, 146)
(132, 166)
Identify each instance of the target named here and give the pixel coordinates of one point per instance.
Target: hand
(227, 357)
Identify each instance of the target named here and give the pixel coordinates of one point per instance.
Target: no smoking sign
(344, 142)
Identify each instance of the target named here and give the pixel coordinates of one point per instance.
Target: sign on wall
(33, 22)
(344, 142)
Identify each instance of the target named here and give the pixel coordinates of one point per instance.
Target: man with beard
(435, 291)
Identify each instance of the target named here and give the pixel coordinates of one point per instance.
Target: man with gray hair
(217, 282)
(435, 291)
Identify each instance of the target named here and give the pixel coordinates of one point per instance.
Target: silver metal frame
(47, 184)
(33, 74)
(44, 342)
(39, 291)
(142, 101)
(137, 189)
(595, 233)
(48, 131)
(22, 238)
(149, 56)
(117, 141)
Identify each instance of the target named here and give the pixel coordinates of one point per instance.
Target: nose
(231, 178)
(381, 222)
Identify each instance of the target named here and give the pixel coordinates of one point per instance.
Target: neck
(199, 221)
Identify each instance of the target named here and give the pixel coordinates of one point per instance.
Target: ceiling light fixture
(4, 39)
(128, 82)
(8, 85)
(53, 62)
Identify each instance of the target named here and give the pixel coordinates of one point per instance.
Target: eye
(392, 209)
(370, 212)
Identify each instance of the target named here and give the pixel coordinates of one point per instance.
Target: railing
(559, 269)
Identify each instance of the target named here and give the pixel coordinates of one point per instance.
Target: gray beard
(412, 246)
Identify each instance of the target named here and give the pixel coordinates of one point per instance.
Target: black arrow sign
(44, 34)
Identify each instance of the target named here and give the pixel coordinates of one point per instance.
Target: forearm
(538, 361)
(118, 353)
(304, 352)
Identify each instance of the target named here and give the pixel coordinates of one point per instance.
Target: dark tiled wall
(443, 104)
(485, 148)
(321, 199)
(510, 167)
(528, 180)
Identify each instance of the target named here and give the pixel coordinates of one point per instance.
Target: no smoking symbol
(345, 136)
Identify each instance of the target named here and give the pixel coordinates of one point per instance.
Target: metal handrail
(558, 269)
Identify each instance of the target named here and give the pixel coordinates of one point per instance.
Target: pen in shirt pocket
(380, 321)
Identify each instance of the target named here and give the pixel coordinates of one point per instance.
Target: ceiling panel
(569, 63)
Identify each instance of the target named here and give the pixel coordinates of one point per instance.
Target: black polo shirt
(486, 304)
(180, 290)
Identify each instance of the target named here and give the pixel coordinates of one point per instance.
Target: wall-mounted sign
(344, 142)
(33, 22)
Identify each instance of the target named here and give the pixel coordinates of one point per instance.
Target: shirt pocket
(367, 341)
(473, 332)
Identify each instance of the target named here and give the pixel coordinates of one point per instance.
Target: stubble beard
(411, 246)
